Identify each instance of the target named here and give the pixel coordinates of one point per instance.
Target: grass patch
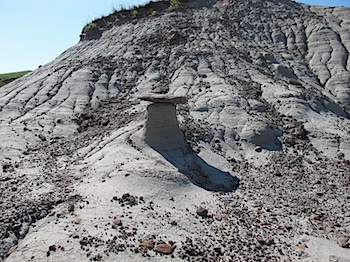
(91, 26)
(134, 12)
(9, 77)
(153, 13)
(174, 4)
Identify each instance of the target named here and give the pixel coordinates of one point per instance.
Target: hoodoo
(162, 130)
(162, 133)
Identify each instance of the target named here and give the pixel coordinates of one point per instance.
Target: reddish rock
(11, 250)
(344, 242)
(165, 249)
(77, 221)
(148, 244)
(117, 222)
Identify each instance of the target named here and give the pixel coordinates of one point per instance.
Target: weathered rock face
(269, 74)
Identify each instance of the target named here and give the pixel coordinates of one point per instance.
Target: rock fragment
(202, 212)
(71, 207)
(148, 244)
(164, 249)
(344, 242)
(77, 221)
(11, 250)
(117, 223)
(258, 149)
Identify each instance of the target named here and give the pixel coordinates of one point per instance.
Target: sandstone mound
(260, 134)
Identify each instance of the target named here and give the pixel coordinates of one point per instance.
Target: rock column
(162, 130)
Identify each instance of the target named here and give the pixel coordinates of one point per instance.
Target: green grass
(153, 13)
(9, 77)
(91, 26)
(174, 4)
(123, 12)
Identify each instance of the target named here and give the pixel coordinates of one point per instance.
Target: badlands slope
(257, 164)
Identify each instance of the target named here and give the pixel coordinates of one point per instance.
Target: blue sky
(34, 32)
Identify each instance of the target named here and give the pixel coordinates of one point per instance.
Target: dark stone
(202, 212)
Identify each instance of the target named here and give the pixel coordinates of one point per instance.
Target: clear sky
(34, 32)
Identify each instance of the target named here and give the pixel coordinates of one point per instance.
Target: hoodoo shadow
(199, 172)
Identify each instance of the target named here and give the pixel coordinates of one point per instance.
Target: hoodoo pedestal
(162, 130)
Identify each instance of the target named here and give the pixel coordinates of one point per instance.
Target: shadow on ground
(200, 172)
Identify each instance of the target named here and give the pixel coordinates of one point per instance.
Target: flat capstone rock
(163, 98)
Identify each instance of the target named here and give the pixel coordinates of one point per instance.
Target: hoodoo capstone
(164, 98)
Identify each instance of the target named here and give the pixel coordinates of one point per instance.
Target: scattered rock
(202, 212)
(277, 173)
(173, 223)
(258, 149)
(117, 222)
(334, 258)
(148, 244)
(192, 251)
(316, 216)
(77, 221)
(344, 242)
(128, 200)
(52, 248)
(84, 241)
(267, 241)
(68, 190)
(11, 250)
(164, 249)
(42, 137)
(71, 207)
(319, 192)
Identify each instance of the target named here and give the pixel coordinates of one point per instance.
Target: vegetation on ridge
(174, 4)
(93, 29)
(9, 77)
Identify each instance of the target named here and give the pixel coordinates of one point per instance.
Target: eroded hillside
(268, 88)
